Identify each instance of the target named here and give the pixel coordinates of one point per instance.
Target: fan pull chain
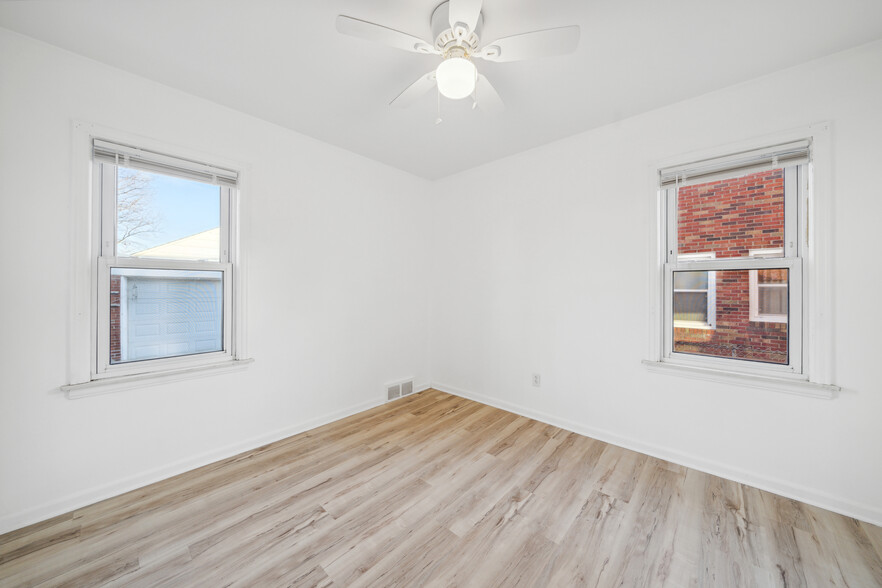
(475, 92)
(439, 120)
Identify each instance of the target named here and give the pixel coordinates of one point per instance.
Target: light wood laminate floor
(440, 491)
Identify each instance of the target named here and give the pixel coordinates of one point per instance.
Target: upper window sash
(107, 198)
(795, 180)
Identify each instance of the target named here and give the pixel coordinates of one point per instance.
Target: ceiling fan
(457, 25)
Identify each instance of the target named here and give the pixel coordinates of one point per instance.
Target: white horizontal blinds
(133, 157)
(743, 163)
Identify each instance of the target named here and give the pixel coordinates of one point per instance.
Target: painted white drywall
(541, 265)
(337, 286)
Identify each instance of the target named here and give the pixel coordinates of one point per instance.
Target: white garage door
(165, 317)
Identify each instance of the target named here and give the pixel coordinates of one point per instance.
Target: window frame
(89, 369)
(794, 178)
(815, 377)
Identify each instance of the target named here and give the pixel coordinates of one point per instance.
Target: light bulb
(456, 77)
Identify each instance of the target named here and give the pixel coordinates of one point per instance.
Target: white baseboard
(863, 512)
(78, 500)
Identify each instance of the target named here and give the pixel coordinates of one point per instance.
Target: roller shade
(757, 160)
(133, 157)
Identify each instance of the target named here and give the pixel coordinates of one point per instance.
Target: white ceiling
(283, 61)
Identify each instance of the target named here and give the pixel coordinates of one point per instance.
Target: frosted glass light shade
(456, 77)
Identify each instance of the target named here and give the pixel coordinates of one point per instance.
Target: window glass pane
(730, 217)
(733, 334)
(165, 217)
(690, 280)
(772, 300)
(772, 276)
(690, 306)
(164, 313)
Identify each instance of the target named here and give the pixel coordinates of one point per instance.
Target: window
(768, 291)
(732, 268)
(695, 302)
(163, 256)
(764, 210)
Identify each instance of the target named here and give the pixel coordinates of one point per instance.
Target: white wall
(337, 279)
(541, 264)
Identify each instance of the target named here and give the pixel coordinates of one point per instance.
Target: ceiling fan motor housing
(447, 37)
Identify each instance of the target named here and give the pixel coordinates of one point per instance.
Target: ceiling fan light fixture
(456, 77)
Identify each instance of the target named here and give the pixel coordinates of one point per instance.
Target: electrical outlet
(537, 380)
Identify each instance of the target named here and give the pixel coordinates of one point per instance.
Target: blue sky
(184, 208)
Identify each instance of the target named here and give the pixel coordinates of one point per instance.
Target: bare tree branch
(135, 214)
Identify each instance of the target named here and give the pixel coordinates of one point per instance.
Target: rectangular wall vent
(399, 388)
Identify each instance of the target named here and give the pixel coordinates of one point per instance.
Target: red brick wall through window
(115, 347)
(730, 218)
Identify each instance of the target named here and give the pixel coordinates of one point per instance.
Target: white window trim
(711, 310)
(83, 374)
(755, 315)
(816, 377)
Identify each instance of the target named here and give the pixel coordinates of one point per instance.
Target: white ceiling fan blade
(486, 96)
(465, 12)
(423, 84)
(380, 34)
(543, 43)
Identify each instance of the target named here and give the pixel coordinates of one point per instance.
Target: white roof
(204, 246)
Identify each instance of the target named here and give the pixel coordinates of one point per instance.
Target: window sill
(120, 383)
(786, 385)
(765, 321)
(696, 326)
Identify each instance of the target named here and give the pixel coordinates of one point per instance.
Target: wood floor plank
(848, 546)
(471, 562)
(437, 490)
(617, 471)
(424, 549)
(727, 521)
(67, 530)
(593, 532)
(642, 555)
(55, 526)
(874, 535)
